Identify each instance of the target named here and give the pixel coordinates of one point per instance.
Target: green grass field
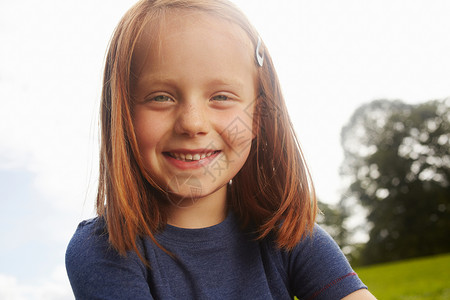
(423, 278)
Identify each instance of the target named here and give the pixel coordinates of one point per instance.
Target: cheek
(237, 132)
(149, 130)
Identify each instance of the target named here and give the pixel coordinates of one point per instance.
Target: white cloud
(332, 56)
(56, 287)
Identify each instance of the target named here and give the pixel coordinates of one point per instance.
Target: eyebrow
(156, 80)
(231, 82)
(219, 81)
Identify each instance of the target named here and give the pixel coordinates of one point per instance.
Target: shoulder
(318, 269)
(317, 246)
(311, 248)
(87, 230)
(89, 242)
(95, 269)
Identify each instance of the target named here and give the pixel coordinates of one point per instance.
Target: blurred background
(367, 85)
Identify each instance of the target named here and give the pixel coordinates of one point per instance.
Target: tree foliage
(331, 218)
(397, 163)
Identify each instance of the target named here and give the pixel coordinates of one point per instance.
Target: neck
(199, 212)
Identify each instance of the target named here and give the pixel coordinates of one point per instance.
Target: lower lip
(190, 165)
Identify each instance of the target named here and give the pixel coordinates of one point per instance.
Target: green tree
(397, 163)
(331, 218)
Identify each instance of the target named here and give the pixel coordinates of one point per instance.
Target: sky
(331, 57)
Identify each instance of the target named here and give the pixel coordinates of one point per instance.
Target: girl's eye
(220, 98)
(161, 98)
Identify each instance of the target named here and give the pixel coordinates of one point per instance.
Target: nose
(192, 120)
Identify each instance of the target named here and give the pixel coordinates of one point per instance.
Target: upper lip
(191, 151)
(191, 154)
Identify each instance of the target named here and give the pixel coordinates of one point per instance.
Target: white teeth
(191, 157)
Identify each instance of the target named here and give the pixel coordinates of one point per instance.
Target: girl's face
(194, 98)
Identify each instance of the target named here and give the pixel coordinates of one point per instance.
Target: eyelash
(217, 98)
(154, 99)
(221, 96)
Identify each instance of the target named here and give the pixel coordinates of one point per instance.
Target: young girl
(203, 190)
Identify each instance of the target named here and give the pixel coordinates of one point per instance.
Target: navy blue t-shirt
(218, 262)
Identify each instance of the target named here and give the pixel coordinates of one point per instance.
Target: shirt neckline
(195, 235)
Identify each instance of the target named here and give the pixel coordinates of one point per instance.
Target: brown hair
(273, 191)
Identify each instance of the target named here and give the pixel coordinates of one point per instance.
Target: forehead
(163, 38)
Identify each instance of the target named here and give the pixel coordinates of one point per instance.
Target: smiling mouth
(190, 156)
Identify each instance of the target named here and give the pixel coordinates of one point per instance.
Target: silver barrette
(259, 56)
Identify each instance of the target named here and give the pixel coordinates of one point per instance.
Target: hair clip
(259, 57)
